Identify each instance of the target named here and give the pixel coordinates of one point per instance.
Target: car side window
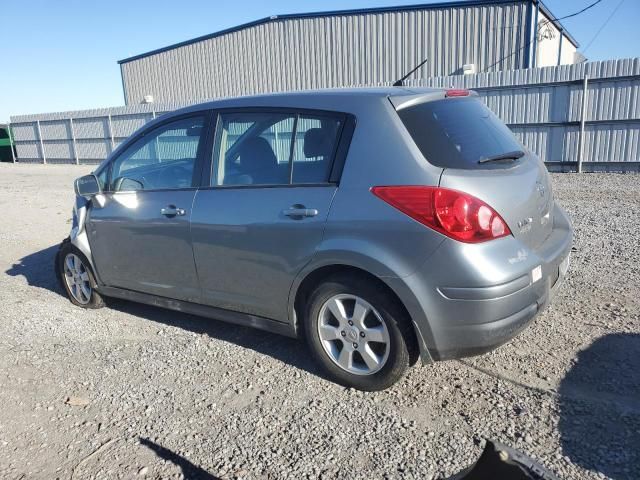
(316, 143)
(260, 148)
(163, 158)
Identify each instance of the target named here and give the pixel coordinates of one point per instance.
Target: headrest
(257, 153)
(318, 142)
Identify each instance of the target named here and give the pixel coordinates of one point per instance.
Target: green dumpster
(7, 149)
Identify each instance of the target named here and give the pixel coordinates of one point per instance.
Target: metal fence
(82, 137)
(584, 115)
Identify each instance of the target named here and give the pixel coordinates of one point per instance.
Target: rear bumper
(470, 299)
(475, 339)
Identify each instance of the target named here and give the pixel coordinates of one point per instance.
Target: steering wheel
(176, 176)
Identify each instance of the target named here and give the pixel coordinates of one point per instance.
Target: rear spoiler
(403, 101)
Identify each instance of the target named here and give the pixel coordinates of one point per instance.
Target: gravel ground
(135, 391)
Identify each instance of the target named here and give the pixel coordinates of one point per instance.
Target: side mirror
(87, 186)
(124, 184)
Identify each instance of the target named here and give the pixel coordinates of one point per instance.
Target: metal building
(351, 47)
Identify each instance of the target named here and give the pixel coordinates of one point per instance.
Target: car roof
(312, 99)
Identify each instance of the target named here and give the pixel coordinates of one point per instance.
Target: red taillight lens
(456, 92)
(456, 214)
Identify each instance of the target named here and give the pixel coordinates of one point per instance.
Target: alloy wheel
(353, 334)
(76, 277)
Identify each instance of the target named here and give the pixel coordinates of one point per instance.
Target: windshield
(457, 132)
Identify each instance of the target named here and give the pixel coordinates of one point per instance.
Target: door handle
(299, 211)
(172, 211)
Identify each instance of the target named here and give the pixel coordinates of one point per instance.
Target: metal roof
(458, 3)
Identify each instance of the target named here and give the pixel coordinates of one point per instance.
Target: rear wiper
(516, 154)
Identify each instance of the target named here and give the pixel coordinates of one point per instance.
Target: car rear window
(457, 132)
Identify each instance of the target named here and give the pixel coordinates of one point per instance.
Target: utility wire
(603, 25)
(539, 27)
(577, 13)
(557, 18)
(507, 56)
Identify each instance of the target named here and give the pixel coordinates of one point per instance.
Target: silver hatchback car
(382, 225)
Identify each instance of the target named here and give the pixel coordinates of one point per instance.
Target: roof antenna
(400, 83)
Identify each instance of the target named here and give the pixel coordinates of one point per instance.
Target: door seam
(290, 319)
(193, 250)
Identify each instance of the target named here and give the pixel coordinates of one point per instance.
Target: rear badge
(536, 274)
(521, 257)
(525, 224)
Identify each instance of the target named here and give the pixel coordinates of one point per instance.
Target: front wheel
(77, 278)
(358, 333)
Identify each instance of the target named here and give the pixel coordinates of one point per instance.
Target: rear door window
(315, 146)
(457, 132)
(274, 148)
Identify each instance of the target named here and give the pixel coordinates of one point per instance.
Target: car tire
(386, 321)
(72, 267)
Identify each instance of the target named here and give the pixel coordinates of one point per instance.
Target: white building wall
(548, 47)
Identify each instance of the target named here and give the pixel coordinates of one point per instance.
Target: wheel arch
(68, 243)
(313, 276)
(95, 299)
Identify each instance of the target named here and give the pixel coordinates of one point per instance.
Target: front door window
(162, 159)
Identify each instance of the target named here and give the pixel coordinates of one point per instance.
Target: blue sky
(61, 55)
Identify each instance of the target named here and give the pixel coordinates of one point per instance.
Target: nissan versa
(382, 225)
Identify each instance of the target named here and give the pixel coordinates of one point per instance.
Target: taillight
(456, 214)
(456, 92)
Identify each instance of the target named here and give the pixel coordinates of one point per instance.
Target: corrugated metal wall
(333, 51)
(543, 106)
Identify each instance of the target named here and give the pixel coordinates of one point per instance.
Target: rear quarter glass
(457, 132)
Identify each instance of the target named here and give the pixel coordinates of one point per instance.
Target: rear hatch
(461, 135)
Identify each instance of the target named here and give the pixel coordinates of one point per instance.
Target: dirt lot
(175, 396)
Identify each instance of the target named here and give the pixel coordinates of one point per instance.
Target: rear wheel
(358, 333)
(77, 278)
